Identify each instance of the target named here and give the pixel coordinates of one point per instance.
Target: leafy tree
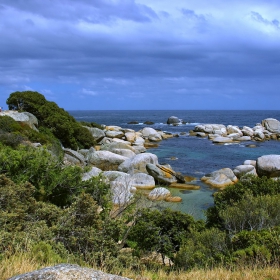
(162, 232)
(29, 101)
(61, 124)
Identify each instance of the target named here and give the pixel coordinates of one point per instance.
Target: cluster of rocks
(121, 157)
(219, 133)
(267, 165)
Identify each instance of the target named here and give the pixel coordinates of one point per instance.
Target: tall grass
(22, 263)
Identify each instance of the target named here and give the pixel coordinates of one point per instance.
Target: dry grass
(22, 263)
(18, 264)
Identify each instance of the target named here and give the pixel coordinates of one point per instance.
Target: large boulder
(114, 134)
(138, 163)
(24, 117)
(76, 155)
(151, 134)
(124, 152)
(272, 125)
(173, 120)
(69, 272)
(116, 145)
(234, 129)
(220, 178)
(106, 160)
(247, 131)
(161, 175)
(244, 169)
(269, 166)
(97, 134)
(143, 181)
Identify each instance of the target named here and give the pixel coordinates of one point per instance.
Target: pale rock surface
(160, 175)
(76, 155)
(124, 152)
(106, 160)
(130, 136)
(94, 172)
(250, 162)
(117, 145)
(97, 134)
(269, 166)
(272, 125)
(113, 128)
(138, 163)
(24, 117)
(67, 272)
(159, 194)
(221, 140)
(242, 170)
(234, 129)
(122, 189)
(247, 131)
(220, 178)
(143, 181)
(114, 134)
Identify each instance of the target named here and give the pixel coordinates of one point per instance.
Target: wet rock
(173, 120)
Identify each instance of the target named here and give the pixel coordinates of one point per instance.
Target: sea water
(193, 156)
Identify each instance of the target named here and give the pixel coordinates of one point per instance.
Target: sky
(144, 54)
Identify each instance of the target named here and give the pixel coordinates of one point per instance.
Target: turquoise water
(196, 156)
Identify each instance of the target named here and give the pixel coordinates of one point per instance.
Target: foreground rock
(269, 166)
(220, 178)
(67, 272)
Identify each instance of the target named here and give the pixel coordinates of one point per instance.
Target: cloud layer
(123, 54)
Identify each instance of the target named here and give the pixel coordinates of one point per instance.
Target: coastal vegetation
(49, 215)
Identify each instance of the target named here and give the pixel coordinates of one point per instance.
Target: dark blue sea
(195, 156)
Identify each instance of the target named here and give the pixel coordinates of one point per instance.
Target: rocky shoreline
(122, 159)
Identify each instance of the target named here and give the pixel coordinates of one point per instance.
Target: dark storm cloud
(139, 51)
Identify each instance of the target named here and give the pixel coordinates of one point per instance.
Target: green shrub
(59, 122)
(254, 186)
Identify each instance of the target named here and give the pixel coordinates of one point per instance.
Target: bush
(252, 186)
(61, 124)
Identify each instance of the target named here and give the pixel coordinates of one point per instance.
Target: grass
(22, 263)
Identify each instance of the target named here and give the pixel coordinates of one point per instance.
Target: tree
(161, 232)
(63, 126)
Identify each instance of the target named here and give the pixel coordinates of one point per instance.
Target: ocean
(194, 156)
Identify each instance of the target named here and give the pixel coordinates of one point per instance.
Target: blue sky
(145, 54)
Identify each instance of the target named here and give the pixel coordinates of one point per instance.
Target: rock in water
(269, 166)
(67, 272)
(173, 120)
(272, 125)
